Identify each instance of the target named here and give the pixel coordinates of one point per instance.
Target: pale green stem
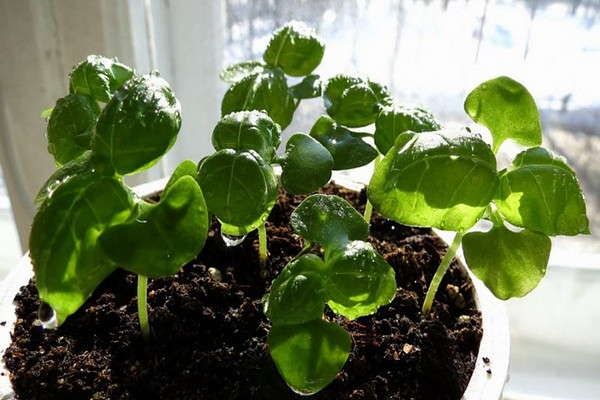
(441, 271)
(368, 211)
(142, 301)
(369, 206)
(262, 244)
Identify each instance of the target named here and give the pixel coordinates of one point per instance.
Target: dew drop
(47, 316)
(52, 187)
(232, 240)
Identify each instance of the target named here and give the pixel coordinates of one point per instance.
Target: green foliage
(507, 109)
(328, 221)
(99, 77)
(70, 127)
(138, 125)
(449, 180)
(239, 187)
(510, 263)
(306, 164)
(248, 130)
(354, 102)
(310, 355)
(541, 192)
(295, 48)
(348, 148)
(68, 264)
(267, 90)
(161, 238)
(443, 179)
(89, 222)
(354, 280)
(395, 119)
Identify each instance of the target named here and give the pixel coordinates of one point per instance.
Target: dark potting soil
(209, 331)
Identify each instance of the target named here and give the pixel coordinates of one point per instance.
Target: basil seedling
(89, 222)
(449, 180)
(353, 279)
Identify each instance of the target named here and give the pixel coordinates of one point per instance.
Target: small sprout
(352, 278)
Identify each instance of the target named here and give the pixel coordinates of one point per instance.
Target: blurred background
(431, 52)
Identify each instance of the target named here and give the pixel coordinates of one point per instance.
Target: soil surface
(209, 331)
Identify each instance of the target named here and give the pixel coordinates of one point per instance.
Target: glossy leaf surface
(238, 71)
(309, 88)
(329, 221)
(71, 126)
(310, 355)
(99, 77)
(264, 91)
(295, 48)
(138, 125)
(359, 280)
(306, 165)
(66, 257)
(80, 165)
(511, 264)
(352, 101)
(540, 192)
(239, 187)
(441, 179)
(162, 237)
(395, 119)
(348, 148)
(298, 294)
(248, 130)
(507, 109)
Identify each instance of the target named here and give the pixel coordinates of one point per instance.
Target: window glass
(434, 52)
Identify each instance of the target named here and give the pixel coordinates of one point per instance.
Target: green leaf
(354, 102)
(309, 88)
(70, 127)
(296, 48)
(329, 221)
(507, 109)
(306, 165)
(185, 168)
(359, 280)
(395, 119)
(80, 165)
(67, 261)
(264, 91)
(248, 130)
(441, 179)
(138, 125)
(541, 193)
(162, 237)
(309, 356)
(99, 77)
(238, 71)
(240, 188)
(348, 148)
(297, 295)
(511, 264)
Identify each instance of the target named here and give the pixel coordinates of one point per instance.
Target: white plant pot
(487, 381)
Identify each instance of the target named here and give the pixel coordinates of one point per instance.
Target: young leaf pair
(353, 279)
(113, 123)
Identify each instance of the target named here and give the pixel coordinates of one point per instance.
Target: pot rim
(491, 367)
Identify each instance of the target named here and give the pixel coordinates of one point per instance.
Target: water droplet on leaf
(47, 316)
(232, 240)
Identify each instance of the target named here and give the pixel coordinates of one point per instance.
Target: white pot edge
(487, 381)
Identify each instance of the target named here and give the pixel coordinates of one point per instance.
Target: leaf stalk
(441, 271)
